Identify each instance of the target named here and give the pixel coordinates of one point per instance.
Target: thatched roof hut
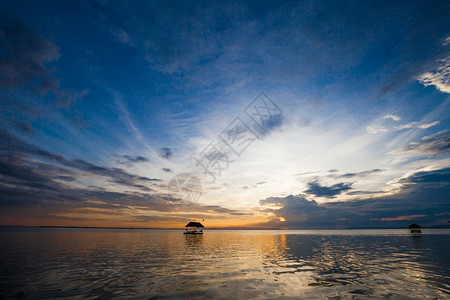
(194, 224)
(414, 228)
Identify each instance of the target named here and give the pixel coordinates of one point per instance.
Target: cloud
(166, 153)
(316, 189)
(298, 212)
(67, 97)
(410, 60)
(376, 129)
(35, 183)
(167, 170)
(422, 197)
(406, 126)
(381, 129)
(358, 174)
(222, 46)
(428, 125)
(364, 192)
(23, 58)
(441, 176)
(416, 125)
(440, 78)
(11, 145)
(23, 62)
(122, 36)
(126, 117)
(392, 117)
(401, 218)
(128, 159)
(117, 175)
(438, 144)
(14, 172)
(25, 127)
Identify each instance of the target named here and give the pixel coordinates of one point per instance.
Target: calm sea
(39, 263)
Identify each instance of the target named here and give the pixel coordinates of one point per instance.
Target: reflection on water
(93, 264)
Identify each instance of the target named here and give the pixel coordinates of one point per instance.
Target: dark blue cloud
(34, 178)
(25, 63)
(314, 188)
(166, 153)
(438, 176)
(128, 159)
(25, 127)
(23, 57)
(13, 146)
(423, 199)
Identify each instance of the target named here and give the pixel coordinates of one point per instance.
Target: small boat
(194, 228)
(414, 228)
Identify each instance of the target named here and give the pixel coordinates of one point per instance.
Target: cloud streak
(438, 145)
(13, 146)
(129, 160)
(34, 178)
(440, 78)
(392, 117)
(381, 129)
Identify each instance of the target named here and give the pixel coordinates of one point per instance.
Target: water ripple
(100, 264)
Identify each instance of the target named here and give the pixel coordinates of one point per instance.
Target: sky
(246, 114)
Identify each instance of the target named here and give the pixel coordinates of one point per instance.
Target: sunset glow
(281, 115)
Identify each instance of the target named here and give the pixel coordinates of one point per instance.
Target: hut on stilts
(194, 228)
(414, 228)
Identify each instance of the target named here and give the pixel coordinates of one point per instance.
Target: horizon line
(213, 228)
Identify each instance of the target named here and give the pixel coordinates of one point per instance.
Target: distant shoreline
(211, 228)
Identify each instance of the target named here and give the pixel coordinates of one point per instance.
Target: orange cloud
(401, 218)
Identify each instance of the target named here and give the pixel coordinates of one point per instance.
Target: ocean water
(44, 263)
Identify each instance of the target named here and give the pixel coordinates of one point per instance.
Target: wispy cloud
(416, 125)
(377, 129)
(401, 218)
(25, 127)
(122, 36)
(439, 78)
(128, 159)
(125, 116)
(13, 146)
(428, 125)
(438, 144)
(392, 117)
(357, 174)
(62, 189)
(381, 129)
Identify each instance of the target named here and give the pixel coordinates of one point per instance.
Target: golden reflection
(230, 264)
(193, 242)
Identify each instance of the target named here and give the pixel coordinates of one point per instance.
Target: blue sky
(104, 102)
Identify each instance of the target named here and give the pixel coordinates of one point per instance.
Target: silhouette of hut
(194, 228)
(414, 228)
